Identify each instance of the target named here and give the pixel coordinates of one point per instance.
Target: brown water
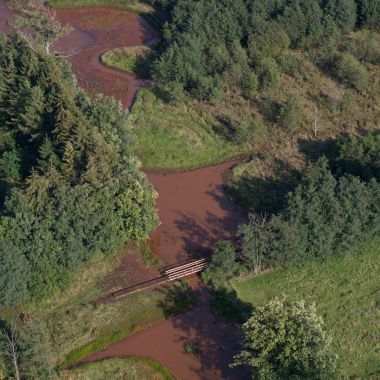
(5, 17)
(95, 31)
(195, 211)
(193, 206)
(165, 342)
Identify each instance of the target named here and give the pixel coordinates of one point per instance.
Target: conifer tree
(68, 159)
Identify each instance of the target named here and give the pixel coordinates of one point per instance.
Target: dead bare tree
(38, 25)
(255, 241)
(11, 349)
(315, 121)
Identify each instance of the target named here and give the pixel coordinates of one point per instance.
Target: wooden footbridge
(169, 273)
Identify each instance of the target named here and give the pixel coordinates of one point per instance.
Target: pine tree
(48, 157)
(68, 161)
(30, 117)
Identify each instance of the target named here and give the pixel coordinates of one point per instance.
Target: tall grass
(176, 137)
(132, 368)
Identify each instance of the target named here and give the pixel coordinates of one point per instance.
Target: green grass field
(177, 137)
(131, 368)
(346, 291)
(135, 60)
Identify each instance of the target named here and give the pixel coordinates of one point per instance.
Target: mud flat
(166, 342)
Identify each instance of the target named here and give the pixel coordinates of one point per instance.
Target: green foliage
(228, 305)
(359, 156)
(350, 71)
(79, 193)
(285, 339)
(10, 165)
(178, 299)
(290, 114)
(323, 216)
(270, 75)
(369, 13)
(365, 46)
(223, 265)
(207, 42)
(255, 242)
(36, 357)
(344, 289)
(343, 12)
(250, 131)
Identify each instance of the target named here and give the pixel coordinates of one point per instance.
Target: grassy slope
(340, 110)
(176, 137)
(346, 291)
(132, 368)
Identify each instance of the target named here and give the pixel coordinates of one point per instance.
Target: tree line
(70, 187)
(334, 209)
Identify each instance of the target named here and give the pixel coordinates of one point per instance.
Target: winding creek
(194, 209)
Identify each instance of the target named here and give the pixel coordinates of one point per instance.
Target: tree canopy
(286, 340)
(71, 189)
(211, 45)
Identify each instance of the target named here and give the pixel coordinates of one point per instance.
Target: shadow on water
(213, 340)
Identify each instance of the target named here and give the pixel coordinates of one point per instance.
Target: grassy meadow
(177, 137)
(134, 60)
(346, 291)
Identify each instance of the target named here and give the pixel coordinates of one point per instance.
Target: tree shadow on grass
(227, 304)
(258, 194)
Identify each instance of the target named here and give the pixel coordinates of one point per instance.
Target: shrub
(290, 114)
(350, 71)
(250, 131)
(270, 75)
(250, 84)
(365, 46)
(286, 340)
(223, 265)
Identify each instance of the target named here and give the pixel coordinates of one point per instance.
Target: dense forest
(71, 189)
(210, 46)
